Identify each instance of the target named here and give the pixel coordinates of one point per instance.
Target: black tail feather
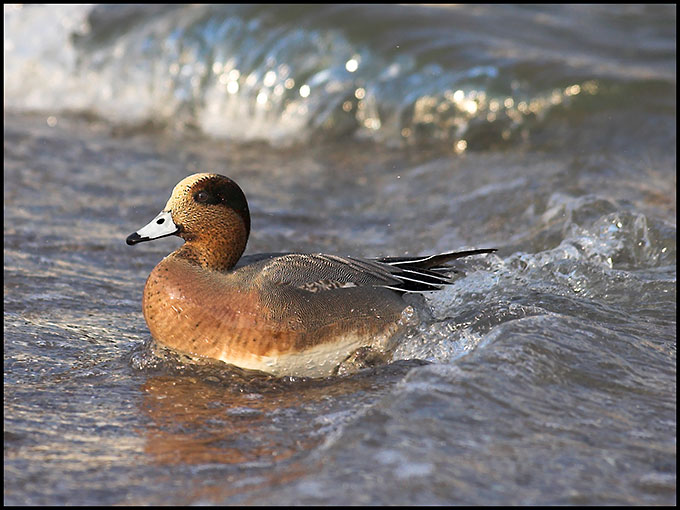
(433, 261)
(424, 274)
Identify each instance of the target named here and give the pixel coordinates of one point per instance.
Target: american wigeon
(281, 313)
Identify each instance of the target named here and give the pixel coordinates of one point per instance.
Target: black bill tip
(135, 238)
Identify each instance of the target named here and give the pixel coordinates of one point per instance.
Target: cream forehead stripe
(183, 187)
(163, 225)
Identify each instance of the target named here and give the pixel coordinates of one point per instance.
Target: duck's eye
(201, 197)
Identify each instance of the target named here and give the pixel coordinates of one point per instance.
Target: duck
(284, 314)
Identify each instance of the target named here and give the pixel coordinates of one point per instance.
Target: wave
(458, 75)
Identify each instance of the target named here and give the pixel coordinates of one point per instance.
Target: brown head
(210, 212)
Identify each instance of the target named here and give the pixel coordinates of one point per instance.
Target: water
(547, 375)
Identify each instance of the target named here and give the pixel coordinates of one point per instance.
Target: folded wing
(322, 272)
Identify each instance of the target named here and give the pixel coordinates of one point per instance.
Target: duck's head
(210, 212)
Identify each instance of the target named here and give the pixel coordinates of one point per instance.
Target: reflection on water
(213, 416)
(194, 423)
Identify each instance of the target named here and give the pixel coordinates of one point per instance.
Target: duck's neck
(217, 254)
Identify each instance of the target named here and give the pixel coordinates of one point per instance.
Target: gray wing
(366, 302)
(318, 272)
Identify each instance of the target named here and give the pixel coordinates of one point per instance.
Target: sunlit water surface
(545, 375)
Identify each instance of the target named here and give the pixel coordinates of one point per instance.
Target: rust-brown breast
(208, 314)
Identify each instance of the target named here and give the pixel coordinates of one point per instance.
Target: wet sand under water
(546, 376)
